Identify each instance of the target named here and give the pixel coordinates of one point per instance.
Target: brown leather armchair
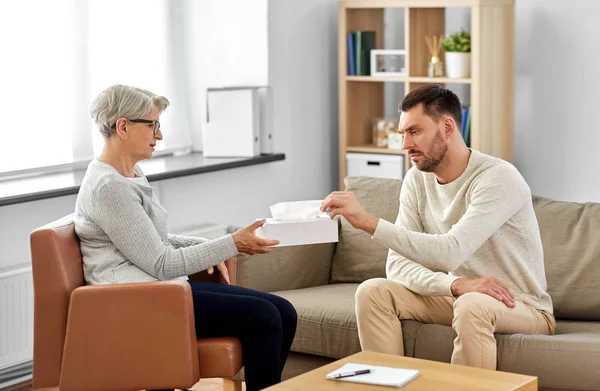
(116, 337)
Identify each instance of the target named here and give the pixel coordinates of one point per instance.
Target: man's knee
(368, 291)
(377, 293)
(473, 304)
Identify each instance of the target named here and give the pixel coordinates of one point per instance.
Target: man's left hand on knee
(488, 285)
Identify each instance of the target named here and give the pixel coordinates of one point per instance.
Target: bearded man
(465, 250)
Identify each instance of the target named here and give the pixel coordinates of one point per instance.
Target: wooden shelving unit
(492, 71)
(414, 79)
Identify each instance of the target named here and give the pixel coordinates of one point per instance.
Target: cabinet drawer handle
(371, 163)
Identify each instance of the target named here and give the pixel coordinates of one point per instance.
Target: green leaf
(458, 42)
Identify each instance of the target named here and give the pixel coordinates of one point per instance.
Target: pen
(349, 374)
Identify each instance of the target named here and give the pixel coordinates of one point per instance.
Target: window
(134, 51)
(56, 59)
(36, 69)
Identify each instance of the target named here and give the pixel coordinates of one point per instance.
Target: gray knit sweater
(123, 233)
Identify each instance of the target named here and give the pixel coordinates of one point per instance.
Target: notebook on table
(381, 376)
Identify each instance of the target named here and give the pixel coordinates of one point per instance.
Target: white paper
(382, 376)
(297, 210)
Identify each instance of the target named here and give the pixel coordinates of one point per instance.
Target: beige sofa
(321, 280)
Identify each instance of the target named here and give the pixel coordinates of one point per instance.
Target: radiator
(16, 317)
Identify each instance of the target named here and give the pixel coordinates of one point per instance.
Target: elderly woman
(123, 232)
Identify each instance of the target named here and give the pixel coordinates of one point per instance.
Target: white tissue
(297, 210)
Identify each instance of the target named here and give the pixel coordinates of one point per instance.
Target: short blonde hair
(123, 101)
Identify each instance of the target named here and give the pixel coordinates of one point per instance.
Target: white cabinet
(375, 165)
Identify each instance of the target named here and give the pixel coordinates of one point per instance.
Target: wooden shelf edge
(423, 3)
(370, 148)
(411, 79)
(425, 79)
(377, 79)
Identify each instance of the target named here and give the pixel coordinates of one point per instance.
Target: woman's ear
(121, 127)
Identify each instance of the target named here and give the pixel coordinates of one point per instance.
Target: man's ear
(449, 125)
(121, 127)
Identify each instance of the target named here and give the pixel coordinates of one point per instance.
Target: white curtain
(57, 56)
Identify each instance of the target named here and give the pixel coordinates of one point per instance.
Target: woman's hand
(222, 270)
(248, 243)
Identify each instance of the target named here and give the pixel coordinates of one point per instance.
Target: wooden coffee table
(433, 376)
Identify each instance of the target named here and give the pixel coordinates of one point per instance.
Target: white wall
(557, 94)
(303, 76)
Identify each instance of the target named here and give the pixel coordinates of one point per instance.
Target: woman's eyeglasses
(155, 124)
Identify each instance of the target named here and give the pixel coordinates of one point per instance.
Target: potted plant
(458, 54)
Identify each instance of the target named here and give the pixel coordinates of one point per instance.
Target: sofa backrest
(571, 240)
(357, 257)
(286, 268)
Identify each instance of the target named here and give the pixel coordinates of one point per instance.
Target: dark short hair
(436, 101)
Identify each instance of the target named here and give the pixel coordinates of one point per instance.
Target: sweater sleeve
(412, 275)
(180, 241)
(495, 198)
(117, 210)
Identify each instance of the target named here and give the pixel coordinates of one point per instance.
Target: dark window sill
(14, 191)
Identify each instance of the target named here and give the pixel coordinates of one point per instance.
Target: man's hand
(488, 285)
(345, 204)
(222, 270)
(248, 243)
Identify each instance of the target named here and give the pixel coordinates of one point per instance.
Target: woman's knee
(286, 309)
(264, 316)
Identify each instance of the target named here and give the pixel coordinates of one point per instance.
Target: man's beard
(436, 155)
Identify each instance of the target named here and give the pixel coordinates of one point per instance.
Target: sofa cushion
(327, 321)
(358, 257)
(567, 360)
(570, 237)
(292, 267)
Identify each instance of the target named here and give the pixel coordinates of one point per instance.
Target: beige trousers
(382, 303)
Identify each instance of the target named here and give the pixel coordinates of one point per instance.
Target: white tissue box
(299, 232)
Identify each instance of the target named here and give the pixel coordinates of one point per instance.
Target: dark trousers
(264, 323)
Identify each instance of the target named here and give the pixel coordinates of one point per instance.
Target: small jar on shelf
(382, 127)
(436, 66)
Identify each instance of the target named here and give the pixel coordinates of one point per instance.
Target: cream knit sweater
(481, 224)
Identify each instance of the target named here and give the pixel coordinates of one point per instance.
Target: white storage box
(375, 165)
(233, 125)
(299, 232)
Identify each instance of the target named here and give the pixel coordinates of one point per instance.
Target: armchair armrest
(130, 336)
(216, 276)
(286, 268)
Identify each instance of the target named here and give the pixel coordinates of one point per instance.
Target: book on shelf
(360, 44)
(351, 62)
(466, 125)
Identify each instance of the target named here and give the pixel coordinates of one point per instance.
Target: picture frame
(388, 62)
